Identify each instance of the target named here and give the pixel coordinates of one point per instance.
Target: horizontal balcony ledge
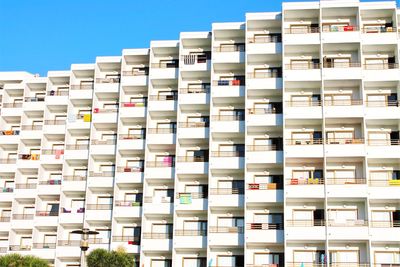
(99, 206)
(264, 226)
(180, 232)
(304, 141)
(163, 97)
(303, 66)
(299, 104)
(68, 243)
(47, 213)
(194, 90)
(385, 224)
(264, 186)
(222, 83)
(134, 239)
(19, 248)
(226, 229)
(305, 223)
(304, 30)
(157, 235)
(220, 154)
(8, 161)
(161, 130)
(54, 122)
(86, 86)
(265, 38)
(22, 216)
(348, 223)
(193, 195)
(126, 203)
(194, 124)
(101, 174)
(155, 200)
(144, 72)
(103, 142)
(261, 148)
(227, 117)
(74, 178)
(122, 169)
(77, 147)
(378, 182)
(134, 104)
(109, 80)
(226, 191)
(132, 136)
(191, 159)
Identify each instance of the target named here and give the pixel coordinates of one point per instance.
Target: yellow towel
(87, 117)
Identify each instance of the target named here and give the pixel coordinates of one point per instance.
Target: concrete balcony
(75, 151)
(194, 96)
(130, 243)
(348, 230)
(219, 56)
(10, 137)
(303, 110)
(158, 136)
(74, 183)
(191, 165)
(381, 72)
(295, 148)
(107, 85)
(384, 231)
(160, 71)
(262, 233)
(11, 109)
(258, 154)
(383, 148)
(105, 115)
(194, 239)
(225, 236)
(298, 188)
(191, 202)
(266, 45)
(195, 63)
(297, 230)
(226, 197)
(292, 73)
(98, 212)
(342, 34)
(160, 169)
(81, 92)
(129, 175)
(257, 117)
(100, 180)
(344, 108)
(193, 130)
(263, 83)
(227, 124)
(127, 209)
(49, 187)
(340, 147)
(382, 109)
(132, 110)
(159, 104)
(228, 90)
(345, 71)
(383, 189)
(102, 147)
(54, 127)
(263, 192)
(232, 160)
(46, 218)
(380, 35)
(158, 205)
(71, 217)
(311, 35)
(156, 242)
(20, 221)
(130, 78)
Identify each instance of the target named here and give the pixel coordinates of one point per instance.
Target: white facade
(272, 142)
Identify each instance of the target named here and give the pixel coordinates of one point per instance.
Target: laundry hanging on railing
(189, 59)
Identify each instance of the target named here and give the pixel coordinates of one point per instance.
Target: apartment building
(270, 142)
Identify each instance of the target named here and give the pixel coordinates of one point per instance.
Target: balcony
(270, 43)
(227, 160)
(311, 187)
(265, 78)
(193, 165)
(156, 241)
(338, 108)
(295, 147)
(385, 231)
(158, 136)
(108, 84)
(264, 233)
(271, 115)
(340, 33)
(299, 109)
(195, 239)
(342, 70)
(348, 229)
(98, 212)
(196, 62)
(229, 87)
(133, 109)
(336, 147)
(229, 53)
(379, 34)
(302, 34)
(195, 95)
(138, 76)
(44, 245)
(226, 197)
(226, 236)
(125, 209)
(195, 130)
(163, 103)
(264, 192)
(20, 248)
(158, 205)
(191, 201)
(131, 240)
(312, 229)
(127, 175)
(108, 115)
(22, 216)
(161, 169)
(264, 153)
(228, 123)
(165, 70)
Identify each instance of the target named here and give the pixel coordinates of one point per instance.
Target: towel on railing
(189, 59)
(185, 199)
(87, 117)
(58, 153)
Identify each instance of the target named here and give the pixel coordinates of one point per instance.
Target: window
(387, 257)
(230, 222)
(343, 216)
(223, 260)
(195, 226)
(49, 239)
(344, 256)
(130, 231)
(161, 228)
(267, 258)
(160, 263)
(194, 262)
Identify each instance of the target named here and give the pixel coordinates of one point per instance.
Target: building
(273, 142)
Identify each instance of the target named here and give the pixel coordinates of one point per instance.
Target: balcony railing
(202, 90)
(166, 65)
(192, 159)
(31, 127)
(304, 141)
(44, 245)
(54, 122)
(342, 65)
(6, 189)
(227, 154)
(264, 186)
(125, 203)
(101, 174)
(78, 210)
(162, 130)
(3, 249)
(8, 161)
(303, 66)
(226, 229)
(77, 147)
(234, 82)
(108, 80)
(258, 148)
(267, 73)
(383, 142)
(309, 29)
(227, 191)
(344, 141)
(46, 213)
(160, 164)
(34, 99)
(193, 195)
(141, 136)
(344, 102)
(379, 182)
(50, 182)
(305, 223)
(230, 48)
(157, 235)
(123, 238)
(308, 264)
(228, 117)
(163, 97)
(4, 219)
(22, 216)
(379, 29)
(194, 124)
(68, 243)
(264, 226)
(99, 206)
(56, 152)
(59, 91)
(129, 169)
(150, 199)
(381, 66)
(143, 72)
(347, 223)
(99, 241)
(265, 38)
(348, 264)
(262, 111)
(305, 181)
(9, 132)
(380, 103)
(385, 224)
(298, 103)
(195, 59)
(103, 142)
(179, 232)
(134, 104)
(344, 181)
(74, 177)
(12, 105)
(334, 28)
(20, 248)
(105, 110)
(86, 86)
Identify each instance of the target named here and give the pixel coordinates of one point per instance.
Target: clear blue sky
(42, 35)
